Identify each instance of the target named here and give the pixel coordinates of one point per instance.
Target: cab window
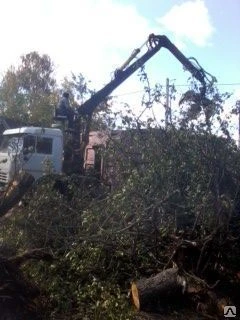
(44, 145)
(29, 144)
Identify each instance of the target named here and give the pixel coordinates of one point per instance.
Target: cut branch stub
(148, 294)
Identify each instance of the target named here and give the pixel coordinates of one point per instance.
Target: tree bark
(154, 291)
(15, 192)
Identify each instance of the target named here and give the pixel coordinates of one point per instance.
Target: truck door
(37, 153)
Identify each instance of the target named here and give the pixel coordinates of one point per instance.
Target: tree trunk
(147, 294)
(15, 192)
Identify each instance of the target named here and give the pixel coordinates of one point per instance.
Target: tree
(11, 99)
(80, 91)
(28, 92)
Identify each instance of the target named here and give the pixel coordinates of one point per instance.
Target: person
(64, 109)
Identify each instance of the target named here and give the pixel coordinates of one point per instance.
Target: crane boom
(154, 43)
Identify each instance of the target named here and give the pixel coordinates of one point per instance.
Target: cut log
(154, 291)
(15, 191)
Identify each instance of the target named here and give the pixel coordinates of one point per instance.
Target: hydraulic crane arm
(154, 44)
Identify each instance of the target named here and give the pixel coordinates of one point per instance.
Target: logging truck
(38, 151)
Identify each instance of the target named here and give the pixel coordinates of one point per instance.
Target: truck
(30, 149)
(39, 151)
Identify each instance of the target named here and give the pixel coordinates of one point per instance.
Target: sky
(94, 37)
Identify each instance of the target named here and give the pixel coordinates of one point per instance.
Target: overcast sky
(94, 37)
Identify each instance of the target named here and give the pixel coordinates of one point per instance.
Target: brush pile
(164, 244)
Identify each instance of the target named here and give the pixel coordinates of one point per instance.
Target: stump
(147, 294)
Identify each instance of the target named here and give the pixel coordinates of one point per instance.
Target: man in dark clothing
(64, 109)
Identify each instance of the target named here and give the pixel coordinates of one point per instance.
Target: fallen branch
(17, 294)
(15, 192)
(36, 254)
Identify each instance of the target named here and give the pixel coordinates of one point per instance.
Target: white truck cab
(35, 150)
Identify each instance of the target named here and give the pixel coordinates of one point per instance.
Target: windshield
(11, 143)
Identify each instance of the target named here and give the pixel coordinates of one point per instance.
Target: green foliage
(187, 166)
(78, 88)
(80, 91)
(28, 93)
(12, 99)
(76, 290)
(203, 110)
(81, 282)
(170, 182)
